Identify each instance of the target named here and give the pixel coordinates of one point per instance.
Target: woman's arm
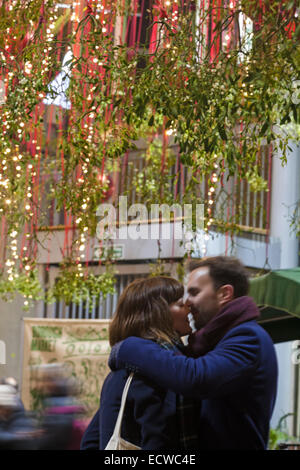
(155, 412)
(90, 439)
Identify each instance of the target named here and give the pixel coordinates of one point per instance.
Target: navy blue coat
(236, 381)
(149, 421)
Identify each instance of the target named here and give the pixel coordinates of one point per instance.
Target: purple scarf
(234, 313)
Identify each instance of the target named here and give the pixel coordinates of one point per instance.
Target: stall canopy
(277, 294)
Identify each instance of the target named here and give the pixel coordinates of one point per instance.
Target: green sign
(113, 252)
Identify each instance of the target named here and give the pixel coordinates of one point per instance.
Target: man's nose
(188, 301)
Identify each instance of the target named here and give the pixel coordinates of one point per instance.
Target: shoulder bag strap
(117, 430)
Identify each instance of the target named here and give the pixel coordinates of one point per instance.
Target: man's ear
(225, 294)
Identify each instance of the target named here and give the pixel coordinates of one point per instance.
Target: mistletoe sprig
(73, 285)
(25, 284)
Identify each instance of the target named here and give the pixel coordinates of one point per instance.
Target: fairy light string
(30, 60)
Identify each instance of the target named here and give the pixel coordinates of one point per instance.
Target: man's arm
(219, 372)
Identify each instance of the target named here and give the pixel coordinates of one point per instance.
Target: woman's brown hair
(143, 310)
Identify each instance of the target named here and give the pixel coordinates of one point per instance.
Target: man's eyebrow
(193, 289)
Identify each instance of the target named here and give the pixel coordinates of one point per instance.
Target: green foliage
(221, 102)
(73, 285)
(152, 183)
(180, 271)
(27, 285)
(158, 269)
(279, 435)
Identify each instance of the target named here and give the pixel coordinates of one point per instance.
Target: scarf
(188, 409)
(239, 310)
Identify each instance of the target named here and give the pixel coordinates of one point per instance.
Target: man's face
(202, 297)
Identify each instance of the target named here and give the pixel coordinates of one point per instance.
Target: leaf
(295, 113)
(222, 132)
(206, 145)
(186, 159)
(286, 118)
(151, 121)
(174, 110)
(264, 128)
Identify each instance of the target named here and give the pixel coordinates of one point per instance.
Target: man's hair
(143, 310)
(224, 270)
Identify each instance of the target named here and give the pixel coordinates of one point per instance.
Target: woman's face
(179, 311)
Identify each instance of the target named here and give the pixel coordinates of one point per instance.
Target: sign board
(114, 252)
(82, 345)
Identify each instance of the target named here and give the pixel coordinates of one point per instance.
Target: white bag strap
(117, 430)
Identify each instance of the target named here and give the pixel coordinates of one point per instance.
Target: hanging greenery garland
(81, 86)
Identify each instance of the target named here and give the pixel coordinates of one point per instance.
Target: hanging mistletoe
(80, 86)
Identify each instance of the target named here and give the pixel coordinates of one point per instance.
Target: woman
(153, 309)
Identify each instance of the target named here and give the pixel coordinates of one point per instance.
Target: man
(235, 370)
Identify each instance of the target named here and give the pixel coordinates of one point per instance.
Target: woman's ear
(225, 294)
